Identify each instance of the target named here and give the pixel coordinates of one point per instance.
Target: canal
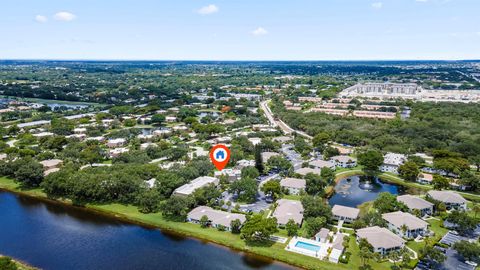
(60, 237)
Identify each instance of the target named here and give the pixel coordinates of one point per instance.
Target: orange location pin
(220, 155)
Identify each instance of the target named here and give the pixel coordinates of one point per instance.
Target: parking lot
(453, 260)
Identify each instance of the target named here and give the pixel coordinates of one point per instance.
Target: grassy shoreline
(21, 265)
(130, 214)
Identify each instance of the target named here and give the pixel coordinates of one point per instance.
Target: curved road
(279, 123)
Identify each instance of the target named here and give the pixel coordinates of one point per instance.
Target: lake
(355, 190)
(57, 237)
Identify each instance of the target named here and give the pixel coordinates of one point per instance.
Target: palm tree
(366, 254)
(404, 229)
(394, 256)
(426, 240)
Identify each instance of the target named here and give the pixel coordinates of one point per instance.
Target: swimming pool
(308, 246)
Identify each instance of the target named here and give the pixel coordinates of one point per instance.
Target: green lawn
(436, 227)
(365, 208)
(355, 260)
(292, 197)
(21, 266)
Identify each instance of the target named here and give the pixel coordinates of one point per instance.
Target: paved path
(279, 123)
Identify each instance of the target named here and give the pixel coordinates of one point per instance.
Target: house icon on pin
(220, 155)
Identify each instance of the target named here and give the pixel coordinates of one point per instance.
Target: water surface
(355, 190)
(58, 237)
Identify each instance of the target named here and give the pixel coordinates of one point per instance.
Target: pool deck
(321, 253)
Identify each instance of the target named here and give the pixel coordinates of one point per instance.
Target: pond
(58, 237)
(355, 190)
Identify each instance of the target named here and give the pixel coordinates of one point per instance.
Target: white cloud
(64, 16)
(377, 5)
(207, 10)
(41, 19)
(260, 31)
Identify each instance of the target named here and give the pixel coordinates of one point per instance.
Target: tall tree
(409, 171)
(258, 228)
(370, 160)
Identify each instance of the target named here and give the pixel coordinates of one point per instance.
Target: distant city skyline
(240, 30)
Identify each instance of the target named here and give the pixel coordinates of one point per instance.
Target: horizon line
(234, 60)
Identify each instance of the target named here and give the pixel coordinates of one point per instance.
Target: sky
(240, 29)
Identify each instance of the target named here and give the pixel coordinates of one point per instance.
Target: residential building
(42, 134)
(195, 184)
(337, 248)
(170, 119)
(451, 199)
(113, 143)
(243, 163)
(217, 218)
(391, 162)
(51, 163)
(113, 153)
(288, 209)
(382, 240)
(79, 130)
(49, 171)
(323, 235)
(425, 178)
(405, 224)
(162, 132)
(98, 139)
(305, 171)
(282, 139)
(267, 155)
(319, 164)
(330, 111)
(415, 203)
(231, 174)
(255, 141)
(344, 161)
(146, 145)
(145, 138)
(293, 185)
(345, 213)
(374, 114)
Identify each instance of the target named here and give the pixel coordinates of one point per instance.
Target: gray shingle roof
(293, 183)
(400, 218)
(345, 211)
(215, 216)
(414, 202)
(380, 237)
(288, 209)
(446, 196)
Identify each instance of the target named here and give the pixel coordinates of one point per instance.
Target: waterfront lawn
(273, 250)
(394, 179)
(9, 184)
(365, 208)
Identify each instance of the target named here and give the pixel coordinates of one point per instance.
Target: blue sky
(240, 29)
